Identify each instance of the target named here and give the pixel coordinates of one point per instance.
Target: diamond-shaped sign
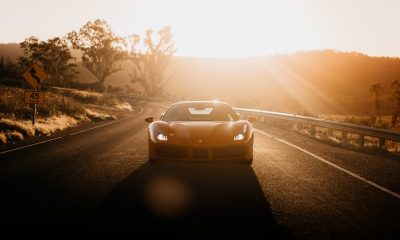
(34, 75)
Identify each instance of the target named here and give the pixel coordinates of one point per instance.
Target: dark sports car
(203, 131)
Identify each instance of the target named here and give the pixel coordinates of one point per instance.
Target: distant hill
(10, 50)
(325, 81)
(307, 82)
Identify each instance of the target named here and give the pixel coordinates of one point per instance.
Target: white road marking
(30, 145)
(371, 183)
(49, 140)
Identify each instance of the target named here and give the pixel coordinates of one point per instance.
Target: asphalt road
(297, 187)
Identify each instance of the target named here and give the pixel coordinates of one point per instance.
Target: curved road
(297, 187)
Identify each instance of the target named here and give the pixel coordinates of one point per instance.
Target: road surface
(297, 187)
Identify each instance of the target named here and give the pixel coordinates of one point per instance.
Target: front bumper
(232, 151)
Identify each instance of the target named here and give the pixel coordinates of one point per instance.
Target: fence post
(330, 133)
(299, 126)
(312, 130)
(34, 114)
(362, 140)
(344, 137)
(382, 142)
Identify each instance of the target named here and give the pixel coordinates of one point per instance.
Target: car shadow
(190, 198)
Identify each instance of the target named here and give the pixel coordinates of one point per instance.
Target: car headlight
(162, 137)
(238, 137)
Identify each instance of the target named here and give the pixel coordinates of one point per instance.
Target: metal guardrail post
(362, 140)
(382, 142)
(312, 130)
(299, 126)
(344, 139)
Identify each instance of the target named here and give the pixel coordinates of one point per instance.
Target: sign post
(34, 75)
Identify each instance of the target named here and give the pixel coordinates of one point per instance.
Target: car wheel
(248, 162)
(152, 161)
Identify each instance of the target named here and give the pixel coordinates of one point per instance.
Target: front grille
(200, 153)
(227, 152)
(172, 152)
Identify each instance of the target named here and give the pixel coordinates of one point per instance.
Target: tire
(248, 162)
(153, 161)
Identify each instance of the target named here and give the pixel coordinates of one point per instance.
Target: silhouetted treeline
(10, 73)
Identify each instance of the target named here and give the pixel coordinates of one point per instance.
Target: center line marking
(371, 183)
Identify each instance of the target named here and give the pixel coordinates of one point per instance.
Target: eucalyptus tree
(102, 50)
(150, 61)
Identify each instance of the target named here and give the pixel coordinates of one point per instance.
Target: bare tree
(376, 91)
(102, 49)
(150, 64)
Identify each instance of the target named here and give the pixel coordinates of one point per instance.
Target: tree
(1, 62)
(9, 74)
(101, 48)
(150, 64)
(31, 52)
(376, 91)
(395, 85)
(54, 56)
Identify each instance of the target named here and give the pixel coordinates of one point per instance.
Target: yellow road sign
(34, 75)
(33, 97)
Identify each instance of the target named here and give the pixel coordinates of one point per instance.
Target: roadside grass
(96, 116)
(87, 97)
(17, 129)
(61, 109)
(12, 105)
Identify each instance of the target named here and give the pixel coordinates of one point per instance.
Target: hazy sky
(221, 27)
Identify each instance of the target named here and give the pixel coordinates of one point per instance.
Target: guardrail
(345, 128)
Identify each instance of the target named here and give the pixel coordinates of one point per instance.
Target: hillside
(10, 50)
(327, 81)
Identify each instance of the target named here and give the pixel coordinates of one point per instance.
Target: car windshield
(200, 112)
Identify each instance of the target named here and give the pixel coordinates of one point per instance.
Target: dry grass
(58, 112)
(124, 106)
(87, 97)
(12, 105)
(14, 136)
(25, 127)
(3, 138)
(96, 116)
(55, 123)
(16, 130)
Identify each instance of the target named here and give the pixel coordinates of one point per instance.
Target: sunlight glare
(233, 28)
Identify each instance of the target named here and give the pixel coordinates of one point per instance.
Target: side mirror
(149, 119)
(252, 119)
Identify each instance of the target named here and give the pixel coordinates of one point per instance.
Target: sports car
(201, 131)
